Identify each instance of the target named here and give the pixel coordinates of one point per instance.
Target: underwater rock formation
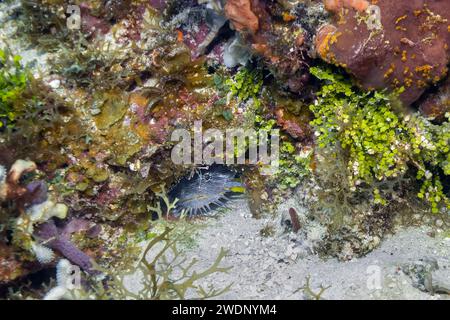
(428, 275)
(278, 36)
(390, 44)
(437, 104)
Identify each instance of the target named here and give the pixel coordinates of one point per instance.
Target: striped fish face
(206, 190)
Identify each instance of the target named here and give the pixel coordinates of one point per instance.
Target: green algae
(381, 143)
(13, 81)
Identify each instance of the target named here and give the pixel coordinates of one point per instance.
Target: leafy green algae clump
(380, 143)
(246, 84)
(293, 167)
(13, 80)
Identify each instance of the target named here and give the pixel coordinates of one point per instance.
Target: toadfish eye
(207, 176)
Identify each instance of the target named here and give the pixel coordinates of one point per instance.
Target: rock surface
(393, 44)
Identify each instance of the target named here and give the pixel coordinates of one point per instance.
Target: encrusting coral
(390, 44)
(337, 5)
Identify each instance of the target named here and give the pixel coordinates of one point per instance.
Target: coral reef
(34, 214)
(275, 35)
(166, 275)
(364, 132)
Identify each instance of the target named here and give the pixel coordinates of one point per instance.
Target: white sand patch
(274, 268)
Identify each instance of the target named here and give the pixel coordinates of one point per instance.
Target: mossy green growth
(13, 80)
(364, 124)
(430, 146)
(293, 167)
(379, 143)
(246, 84)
